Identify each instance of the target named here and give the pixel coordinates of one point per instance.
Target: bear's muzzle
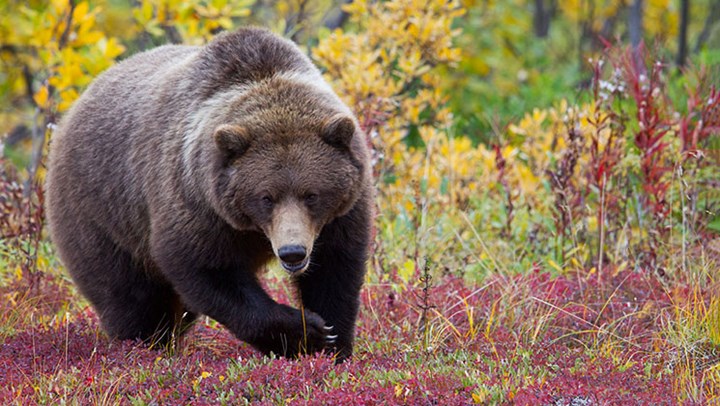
(292, 235)
(293, 258)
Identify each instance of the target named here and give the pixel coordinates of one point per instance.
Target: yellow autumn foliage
(60, 42)
(194, 21)
(431, 181)
(388, 70)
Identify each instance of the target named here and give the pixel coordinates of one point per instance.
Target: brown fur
(182, 171)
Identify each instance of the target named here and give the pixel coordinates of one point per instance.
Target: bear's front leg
(229, 292)
(331, 286)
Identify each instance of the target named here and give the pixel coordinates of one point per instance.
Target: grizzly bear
(182, 171)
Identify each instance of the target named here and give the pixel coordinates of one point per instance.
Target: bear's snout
(293, 257)
(292, 253)
(292, 234)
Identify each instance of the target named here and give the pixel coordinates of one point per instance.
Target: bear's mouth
(295, 267)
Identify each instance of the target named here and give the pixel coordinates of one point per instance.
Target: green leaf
(715, 224)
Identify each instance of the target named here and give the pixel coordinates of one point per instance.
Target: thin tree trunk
(339, 18)
(635, 22)
(712, 16)
(636, 30)
(682, 33)
(541, 19)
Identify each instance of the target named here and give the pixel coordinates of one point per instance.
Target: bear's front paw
(297, 332)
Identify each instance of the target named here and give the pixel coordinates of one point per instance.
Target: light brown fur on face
(292, 225)
(182, 171)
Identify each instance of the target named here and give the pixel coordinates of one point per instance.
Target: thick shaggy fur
(182, 171)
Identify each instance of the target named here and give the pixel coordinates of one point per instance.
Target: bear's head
(289, 167)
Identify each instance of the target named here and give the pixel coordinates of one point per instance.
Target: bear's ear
(338, 131)
(232, 140)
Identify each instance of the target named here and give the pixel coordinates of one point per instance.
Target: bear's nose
(292, 253)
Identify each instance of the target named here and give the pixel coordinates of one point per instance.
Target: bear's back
(248, 55)
(114, 106)
(91, 162)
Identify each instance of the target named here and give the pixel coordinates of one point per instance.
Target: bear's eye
(311, 198)
(267, 202)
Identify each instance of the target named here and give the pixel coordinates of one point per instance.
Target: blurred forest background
(576, 139)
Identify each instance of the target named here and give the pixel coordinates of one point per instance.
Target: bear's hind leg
(130, 300)
(146, 309)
